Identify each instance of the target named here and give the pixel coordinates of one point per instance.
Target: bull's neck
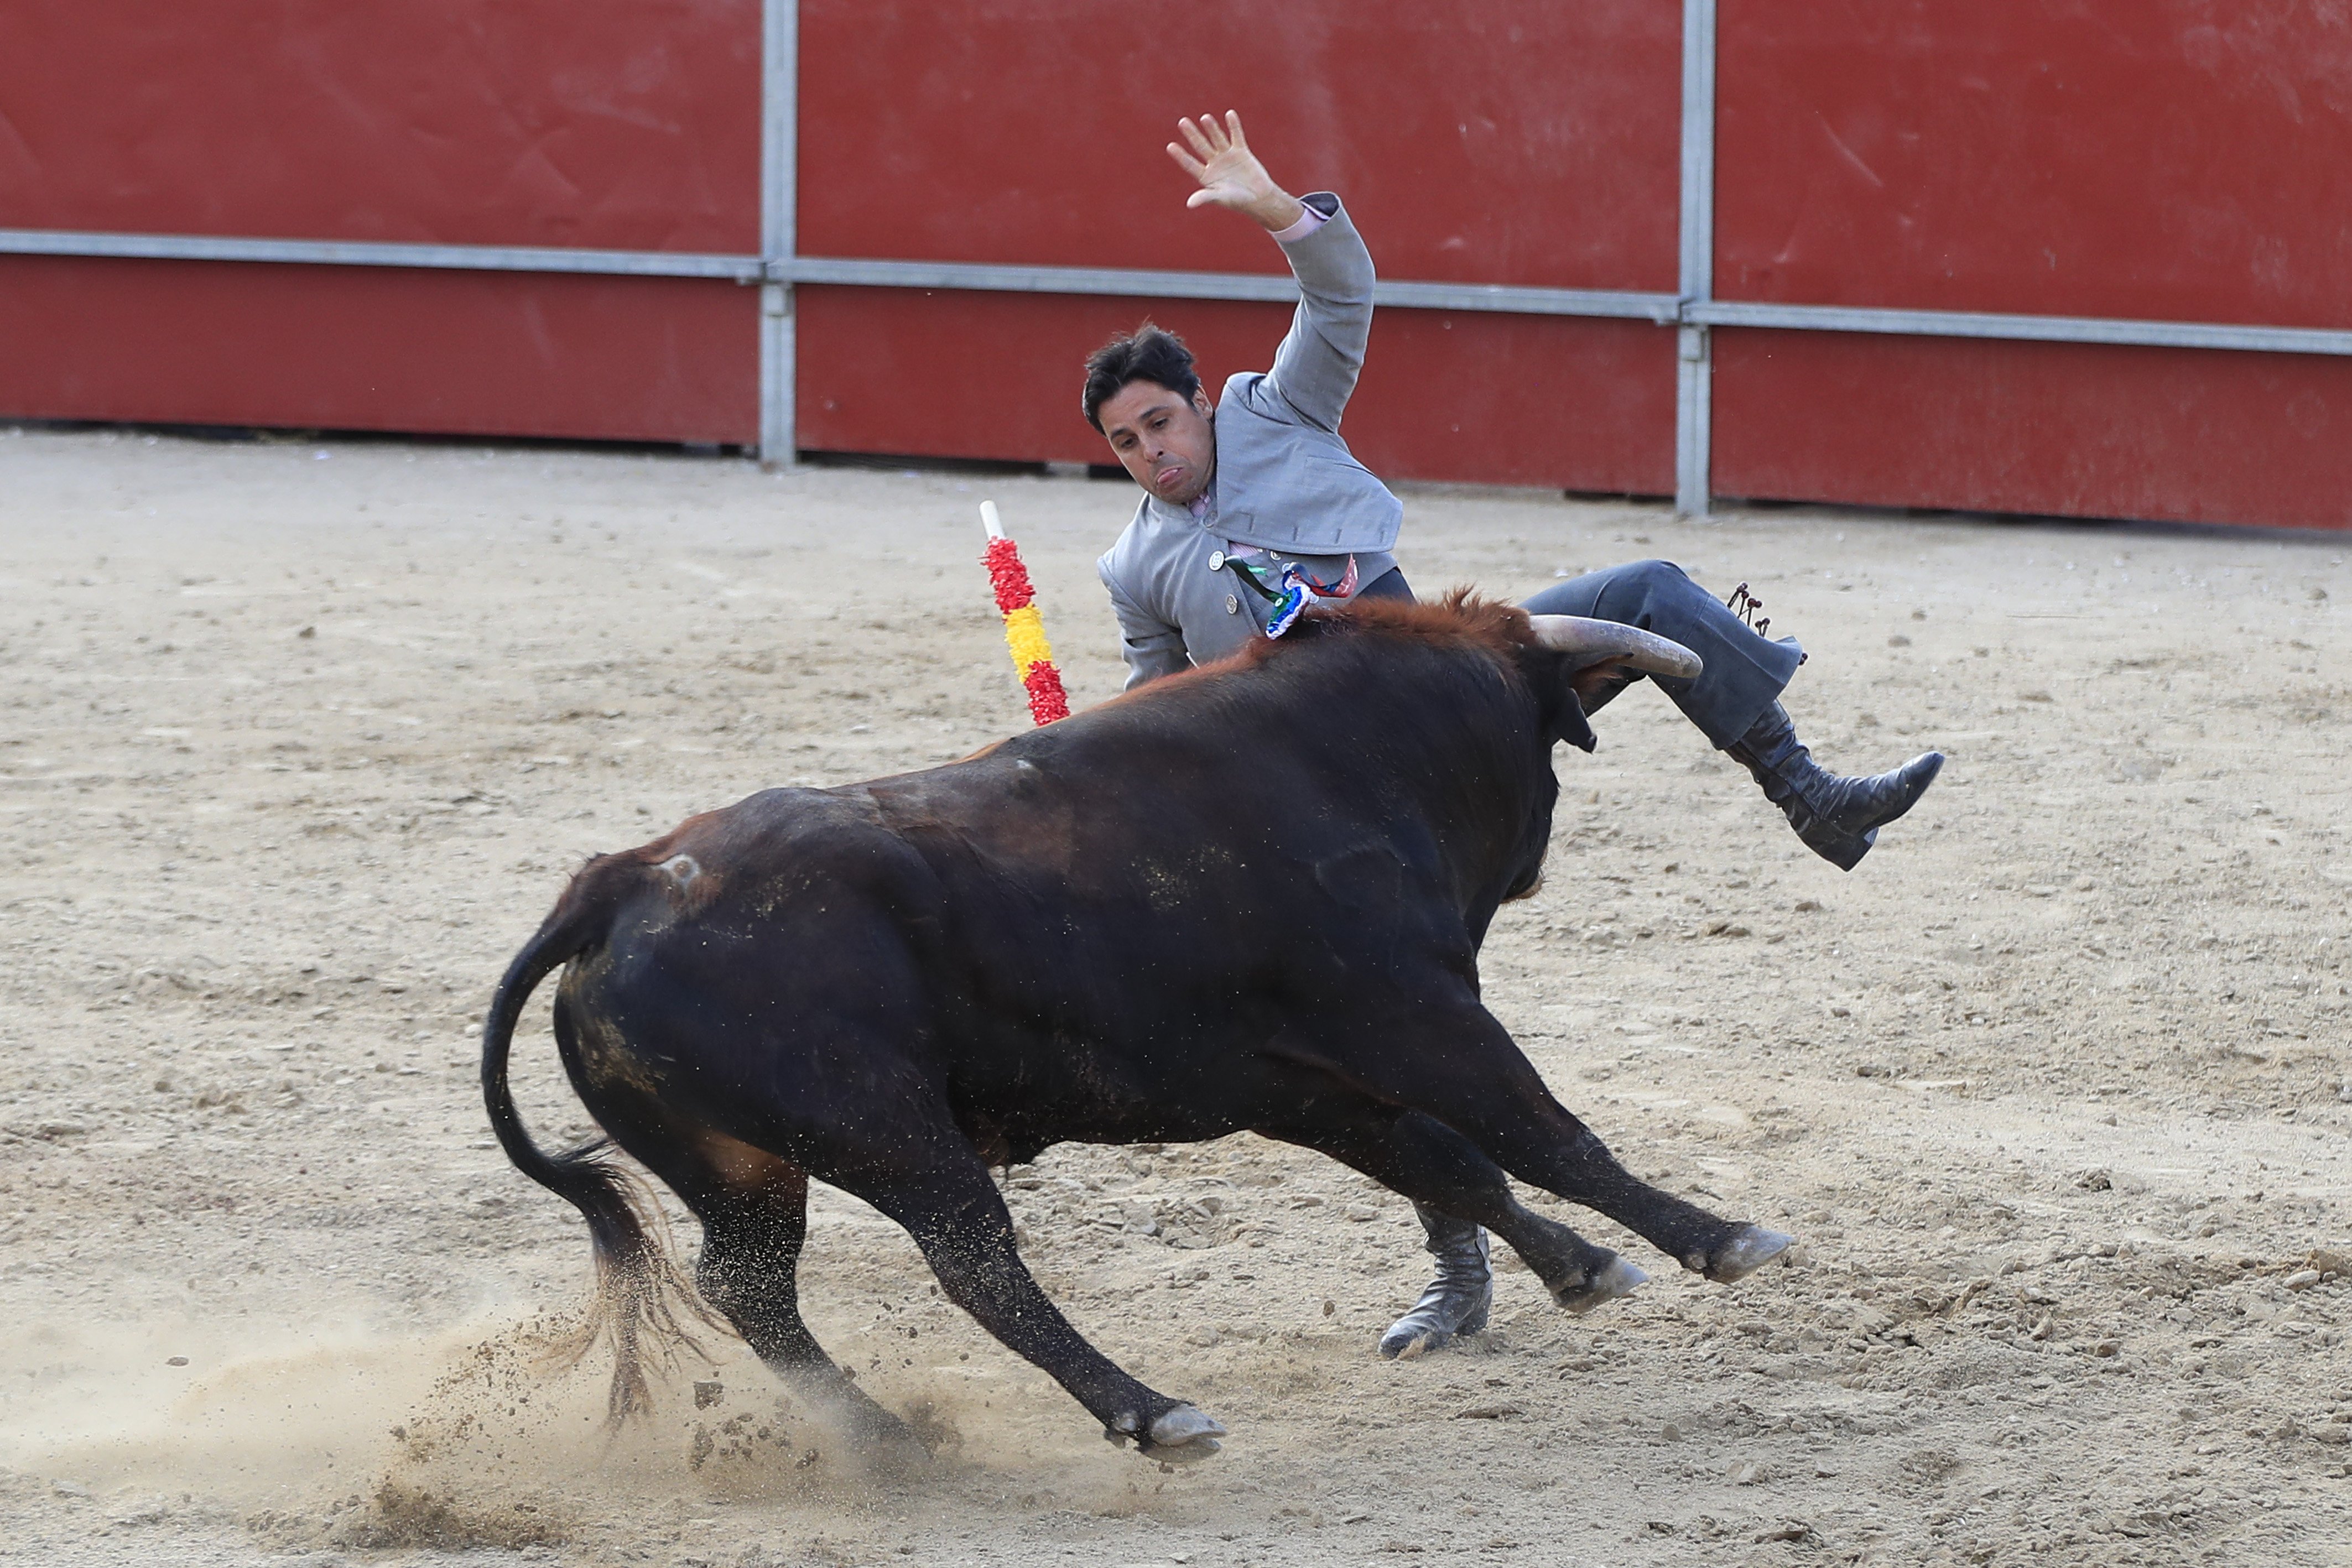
(1457, 743)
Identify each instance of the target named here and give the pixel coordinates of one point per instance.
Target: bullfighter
(1255, 507)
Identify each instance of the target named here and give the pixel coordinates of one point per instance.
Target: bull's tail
(640, 1290)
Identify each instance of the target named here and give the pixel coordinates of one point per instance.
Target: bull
(1247, 897)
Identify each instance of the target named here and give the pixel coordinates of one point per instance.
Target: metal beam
(371, 253)
(2021, 329)
(780, 266)
(1695, 345)
(1277, 288)
(780, 54)
(1662, 308)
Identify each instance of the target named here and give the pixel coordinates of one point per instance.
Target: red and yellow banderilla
(1025, 626)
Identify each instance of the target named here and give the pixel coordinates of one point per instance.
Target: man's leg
(1736, 703)
(1390, 584)
(1457, 1301)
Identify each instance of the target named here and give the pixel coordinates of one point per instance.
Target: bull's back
(795, 966)
(1138, 849)
(1093, 873)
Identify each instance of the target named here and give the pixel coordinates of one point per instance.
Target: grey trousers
(1745, 673)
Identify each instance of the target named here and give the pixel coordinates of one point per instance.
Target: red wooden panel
(1488, 141)
(1581, 404)
(2164, 158)
(1577, 405)
(2065, 429)
(551, 122)
(350, 348)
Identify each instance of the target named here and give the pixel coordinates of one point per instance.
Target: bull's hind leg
(955, 1214)
(1461, 1067)
(754, 1222)
(1424, 1160)
(753, 1205)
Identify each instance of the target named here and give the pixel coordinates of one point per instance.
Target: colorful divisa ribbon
(1294, 591)
(1024, 625)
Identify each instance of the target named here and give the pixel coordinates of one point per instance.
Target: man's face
(1165, 441)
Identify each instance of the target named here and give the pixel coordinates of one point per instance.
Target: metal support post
(779, 374)
(1694, 420)
(778, 213)
(1695, 369)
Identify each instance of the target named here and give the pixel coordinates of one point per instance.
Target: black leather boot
(1457, 1301)
(1838, 818)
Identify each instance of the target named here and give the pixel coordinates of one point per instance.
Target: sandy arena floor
(299, 742)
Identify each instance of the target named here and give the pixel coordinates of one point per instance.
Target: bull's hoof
(1182, 1436)
(1621, 1278)
(1745, 1253)
(856, 1415)
(884, 1443)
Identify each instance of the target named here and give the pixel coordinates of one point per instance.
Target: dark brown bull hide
(1251, 896)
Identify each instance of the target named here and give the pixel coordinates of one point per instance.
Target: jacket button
(1216, 561)
(1233, 605)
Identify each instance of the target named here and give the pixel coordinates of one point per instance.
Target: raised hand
(1229, 172)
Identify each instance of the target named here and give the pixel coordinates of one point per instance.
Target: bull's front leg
(959, 1219)
(1461, 1066)
(1722, 1250)
(1431, 1163)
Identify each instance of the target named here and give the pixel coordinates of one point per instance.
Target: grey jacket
(1285, 481)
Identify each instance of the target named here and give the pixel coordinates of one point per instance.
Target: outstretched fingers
(1218, 156)
(1209, 143)
(1202, 160)
(1206, 134)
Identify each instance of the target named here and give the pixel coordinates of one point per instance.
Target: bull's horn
(1644, 651)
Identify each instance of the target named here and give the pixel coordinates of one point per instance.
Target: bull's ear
(1570, 726)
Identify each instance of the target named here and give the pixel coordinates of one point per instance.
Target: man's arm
(1152, 647)
(1315, 370)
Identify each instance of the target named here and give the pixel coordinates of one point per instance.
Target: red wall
(473, 121)
(1479, 141)
(542, 122)
(2060, 429)
(371, 347)
(1505, 400)
(2169, 160)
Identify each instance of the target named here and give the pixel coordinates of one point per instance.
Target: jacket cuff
(1309, 220)
(1318, 207)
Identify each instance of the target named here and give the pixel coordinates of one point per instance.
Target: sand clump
(2051, 1089)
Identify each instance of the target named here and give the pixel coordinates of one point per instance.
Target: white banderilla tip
(991, 521)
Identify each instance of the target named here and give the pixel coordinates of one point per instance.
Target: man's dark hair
(1146, 354)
